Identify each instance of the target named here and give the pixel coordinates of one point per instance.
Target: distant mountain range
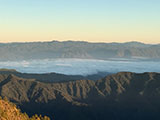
(72, 49)
(54, 77)
(121, 96)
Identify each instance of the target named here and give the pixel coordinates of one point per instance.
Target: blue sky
(90, 20)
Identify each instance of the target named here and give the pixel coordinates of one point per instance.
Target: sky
(81, 20)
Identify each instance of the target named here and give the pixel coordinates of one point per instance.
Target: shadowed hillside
(120, 96)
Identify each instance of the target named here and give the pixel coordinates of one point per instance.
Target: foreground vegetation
(9, 111)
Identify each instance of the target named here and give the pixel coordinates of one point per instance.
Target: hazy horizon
(92, 21)
(76, 41)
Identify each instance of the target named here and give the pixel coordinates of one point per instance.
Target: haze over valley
(80, 58)
(82, 67)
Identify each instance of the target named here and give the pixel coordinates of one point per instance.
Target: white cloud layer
(82, 66)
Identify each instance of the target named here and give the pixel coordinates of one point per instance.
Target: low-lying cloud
(82, 66)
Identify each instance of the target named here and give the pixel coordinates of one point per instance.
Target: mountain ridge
(75, 49)
(53, 77)
(114, 94)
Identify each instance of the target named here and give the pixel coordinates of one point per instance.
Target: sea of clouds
(82, 66)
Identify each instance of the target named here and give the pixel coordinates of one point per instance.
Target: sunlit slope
(9, 111)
